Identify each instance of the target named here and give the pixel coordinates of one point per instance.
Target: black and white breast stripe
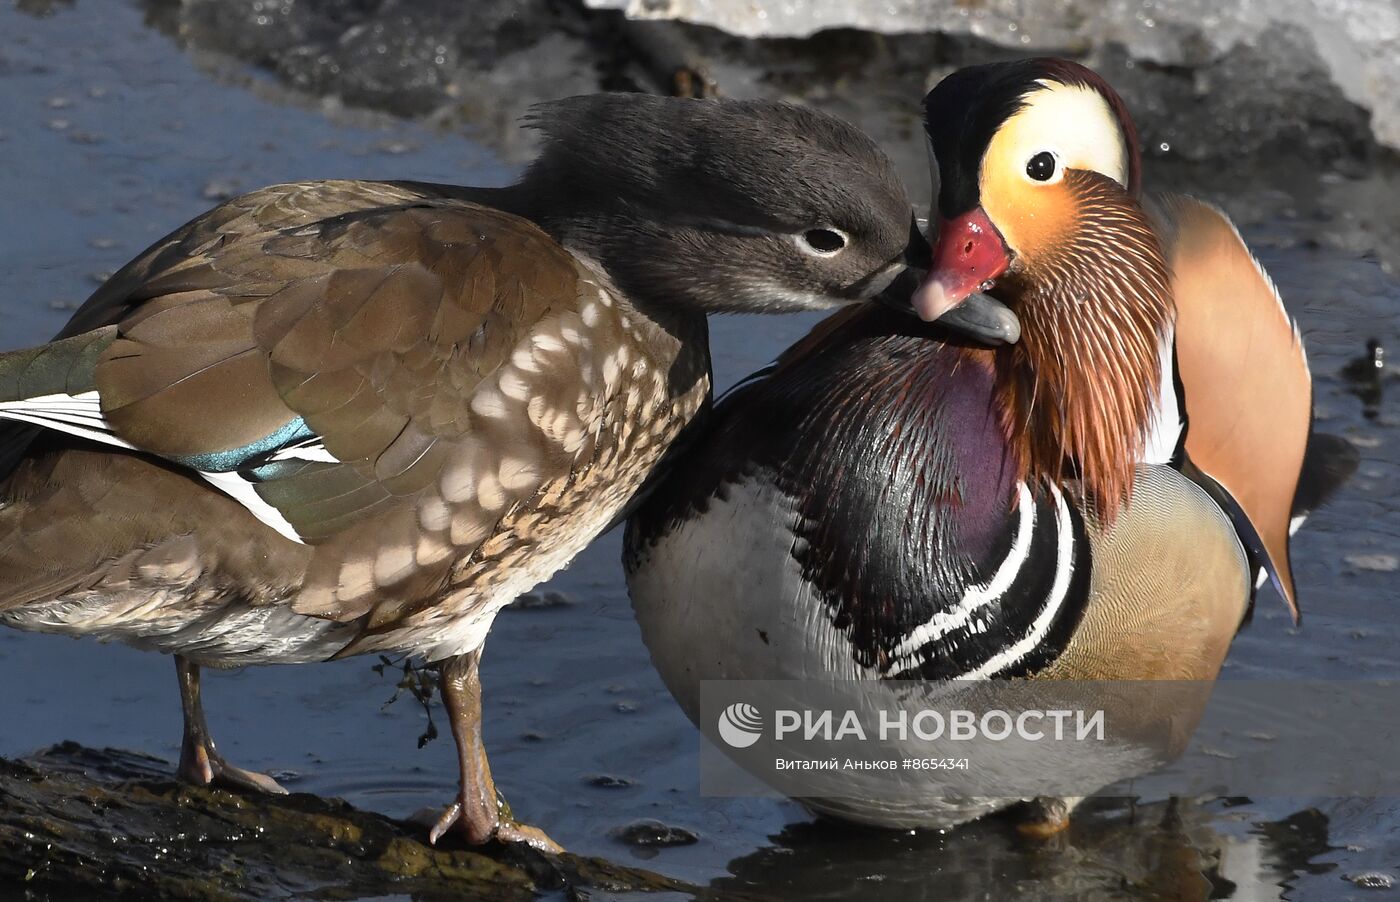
(1020, 618)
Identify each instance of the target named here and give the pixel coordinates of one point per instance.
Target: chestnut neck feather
(1080, 386)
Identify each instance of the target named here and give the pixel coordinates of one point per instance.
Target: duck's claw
(531, 836)
(444, 823)
(484, 826)
(201, 765)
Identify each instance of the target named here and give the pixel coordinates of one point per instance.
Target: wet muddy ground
(113, 129)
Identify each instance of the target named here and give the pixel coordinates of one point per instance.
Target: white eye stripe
(1073, 122)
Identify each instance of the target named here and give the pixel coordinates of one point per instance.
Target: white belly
(163, 620)
(179, 614)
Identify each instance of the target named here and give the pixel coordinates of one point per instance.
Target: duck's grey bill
(985, 319)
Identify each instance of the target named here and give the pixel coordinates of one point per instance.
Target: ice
(1354, 45)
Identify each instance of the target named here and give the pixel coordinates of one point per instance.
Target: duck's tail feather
(63, 367)
(50, 386)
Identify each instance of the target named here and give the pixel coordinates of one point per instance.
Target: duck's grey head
(721, 205)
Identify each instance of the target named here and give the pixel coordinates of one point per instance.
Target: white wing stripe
(81, 415)
(242, 491)
(1165, 426)
(309, 451)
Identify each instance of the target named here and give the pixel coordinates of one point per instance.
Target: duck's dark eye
(824, 241)
(1041, 166)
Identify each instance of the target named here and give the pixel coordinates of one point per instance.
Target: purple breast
(888, 438)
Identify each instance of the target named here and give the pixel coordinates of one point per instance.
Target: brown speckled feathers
(442, 351)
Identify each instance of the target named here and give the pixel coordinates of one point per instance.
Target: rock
(1379, 563)
(1372, 880)
(408, 61)
(654, 834)
(82, 823)
(1354, 43)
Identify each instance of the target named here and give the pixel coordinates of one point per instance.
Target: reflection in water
(1115, 848)
(1295, 841)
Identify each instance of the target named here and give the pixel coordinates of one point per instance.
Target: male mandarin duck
(333, 418)
(1091, 502)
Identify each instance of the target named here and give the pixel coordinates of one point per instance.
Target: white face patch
(1075, 125)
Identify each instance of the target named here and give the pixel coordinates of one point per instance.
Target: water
(111, 134)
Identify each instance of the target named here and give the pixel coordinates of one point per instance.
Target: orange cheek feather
(1034, 219)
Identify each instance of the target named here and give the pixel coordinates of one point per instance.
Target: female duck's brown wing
(260, 212)
(389, 382)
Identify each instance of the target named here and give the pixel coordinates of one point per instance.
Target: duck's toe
(238, 778)
(200, 765)
(482, 823)
(512, 831)
(444, 823)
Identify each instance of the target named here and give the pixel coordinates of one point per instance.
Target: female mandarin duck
(334, 418)
(1090, 503)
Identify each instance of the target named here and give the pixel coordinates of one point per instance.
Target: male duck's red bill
(969, 256)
